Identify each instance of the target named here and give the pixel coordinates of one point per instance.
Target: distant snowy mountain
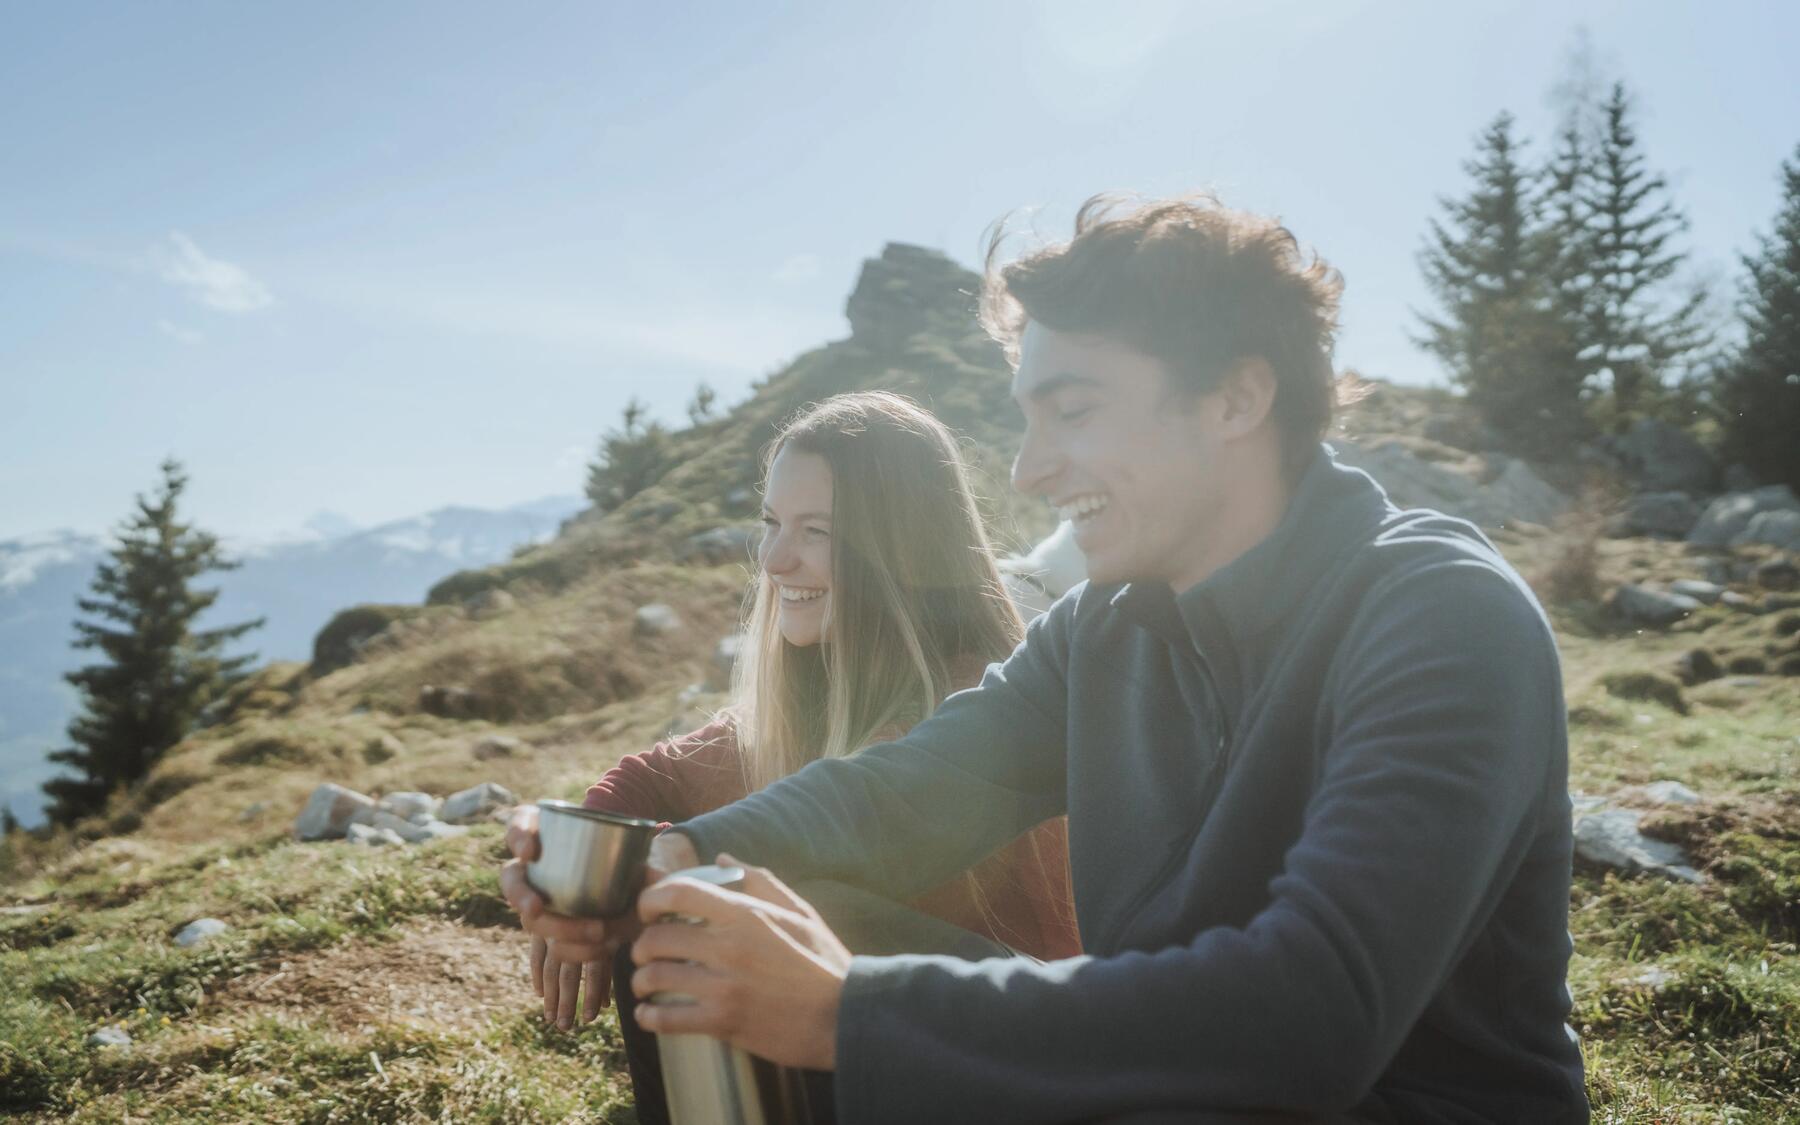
(297, 582)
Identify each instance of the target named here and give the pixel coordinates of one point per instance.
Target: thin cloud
(213, 282)
(179, 334)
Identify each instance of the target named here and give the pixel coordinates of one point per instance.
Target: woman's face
(796, 543)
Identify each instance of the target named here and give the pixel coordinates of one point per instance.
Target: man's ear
(1245, 396)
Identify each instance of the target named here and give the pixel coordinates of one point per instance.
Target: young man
(1312, 749)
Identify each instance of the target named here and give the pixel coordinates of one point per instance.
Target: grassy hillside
(389, 984)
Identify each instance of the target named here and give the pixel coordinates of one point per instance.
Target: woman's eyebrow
(825, 516)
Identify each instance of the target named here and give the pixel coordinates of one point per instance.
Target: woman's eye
(770, 521)
(817, 533)
(1074, 413)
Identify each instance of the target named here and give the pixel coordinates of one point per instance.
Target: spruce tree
(1635, 334)
(159, 672)
(632, 458)
(1498, 334)
(1760, 388)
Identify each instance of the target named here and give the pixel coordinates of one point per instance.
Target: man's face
(1115, 447)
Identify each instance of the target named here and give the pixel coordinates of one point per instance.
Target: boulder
(723, 662)
(1609, 837)
(491, 602)
(1515, 495)
(251, 812)
(199, 931)
(1777, 527)
(451, 702)
(1778, 575)
(1671, 793)
(498, 746)
(1645, 606)
(1706, 593)
(407, 806)
(1729, 516)
(1665, 458)
(329, 811)
(655, 620)
(112, 1035)
(717, 545)
(371, 837)
(476, 802)
(1660, 515)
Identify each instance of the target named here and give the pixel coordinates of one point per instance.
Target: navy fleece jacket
(1319, 831)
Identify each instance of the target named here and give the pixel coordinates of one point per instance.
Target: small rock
(498, 746)
(383, 749)
(328, 812)
(199, 931)
(1736, 600)
(718, 545)
(450, 702)
(491, 602)
(255, 809)
(1609, 837)
(111, 1035)
(1717, 571)
(372, 837)
(1697, 666)
(1729, 516)
(438, 830)
(1654, 977)
(655, 620)
(1778, 575)
(408, 805)
(1584, 802)
(1706, 593)
(1666, 457)
(1646, 606)
(1746, 665)
(1671, 793)
(475, 802)
(724, 660)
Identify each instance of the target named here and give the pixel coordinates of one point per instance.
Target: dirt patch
(434, 972)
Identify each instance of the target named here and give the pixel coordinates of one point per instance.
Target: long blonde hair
(914, 589)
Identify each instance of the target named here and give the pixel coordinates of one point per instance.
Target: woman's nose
(777, 552)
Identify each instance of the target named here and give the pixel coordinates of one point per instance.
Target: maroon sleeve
(676, 779)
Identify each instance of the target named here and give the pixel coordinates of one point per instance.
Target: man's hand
(567, 953)
(765, 972)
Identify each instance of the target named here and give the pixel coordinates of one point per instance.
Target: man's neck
(1252, 510)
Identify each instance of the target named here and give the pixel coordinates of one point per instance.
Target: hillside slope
(389, 984)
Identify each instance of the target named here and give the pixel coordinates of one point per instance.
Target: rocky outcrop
(908, 290)
(1608, 837)
(1644, 605)
(1659, 515)
(1664, 458)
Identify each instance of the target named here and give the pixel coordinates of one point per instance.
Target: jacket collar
(1228, 617)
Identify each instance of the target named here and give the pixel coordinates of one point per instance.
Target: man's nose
(1033, 467)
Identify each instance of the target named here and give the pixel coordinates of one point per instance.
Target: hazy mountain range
(296, 582)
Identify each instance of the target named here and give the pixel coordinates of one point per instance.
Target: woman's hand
(564, 984)
(574, 942)
(765, 972)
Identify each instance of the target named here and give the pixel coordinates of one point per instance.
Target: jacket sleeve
(1441, 751)
(899, 818)
(675, 779)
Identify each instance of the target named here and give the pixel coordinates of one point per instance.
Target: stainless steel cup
(589, 863)
(710, 1082)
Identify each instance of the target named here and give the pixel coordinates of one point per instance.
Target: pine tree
(700, 409)
(1760, 388)
(160, 672)
(1634, 335)
(632, 458)
(1498, 334)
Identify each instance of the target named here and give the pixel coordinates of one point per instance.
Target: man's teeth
(1082, 507)
(791, 594)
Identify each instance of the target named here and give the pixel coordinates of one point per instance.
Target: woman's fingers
(539, 948)
(569, 990)
(518, 892)
(522, 832)
(676, 941)
(596, 989)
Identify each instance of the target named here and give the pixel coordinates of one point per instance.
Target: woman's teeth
(792, 594)
(1082, 507)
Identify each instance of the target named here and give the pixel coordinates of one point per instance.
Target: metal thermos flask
(710, 1082)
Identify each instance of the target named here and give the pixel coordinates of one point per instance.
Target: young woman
(877, 596)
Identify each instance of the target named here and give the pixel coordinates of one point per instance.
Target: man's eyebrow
(1062, 380)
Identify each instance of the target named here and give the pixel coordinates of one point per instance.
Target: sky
(374, 259)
